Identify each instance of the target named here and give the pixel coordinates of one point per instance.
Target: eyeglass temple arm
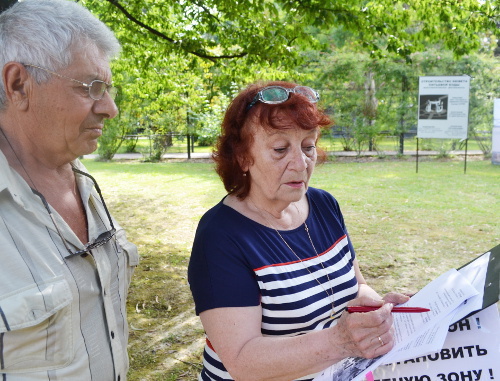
(255, 100)
(98, 191)
(47, 206)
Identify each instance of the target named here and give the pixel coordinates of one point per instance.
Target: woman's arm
(235, 334)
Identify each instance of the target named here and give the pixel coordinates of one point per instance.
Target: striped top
(237, 262)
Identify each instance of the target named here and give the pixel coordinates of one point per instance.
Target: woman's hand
(370, 334)
(395, 298)
(366, 334)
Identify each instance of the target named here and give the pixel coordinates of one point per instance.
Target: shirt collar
(13, 183)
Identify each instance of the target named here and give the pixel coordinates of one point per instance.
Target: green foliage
(111, 139)
(113, 132)
(208, 122)
(362, 113)
(182, 58)
(210, 128)
(263, 31)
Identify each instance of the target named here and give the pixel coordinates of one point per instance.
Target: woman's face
(283, 162)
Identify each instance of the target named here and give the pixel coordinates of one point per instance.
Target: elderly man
(66, 264)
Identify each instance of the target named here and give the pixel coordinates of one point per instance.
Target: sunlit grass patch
(407, 228)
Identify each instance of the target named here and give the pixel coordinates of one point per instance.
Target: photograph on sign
(443, 107)
(433, 106)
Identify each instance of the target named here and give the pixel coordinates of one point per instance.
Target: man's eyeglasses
(96, 88)
(278, 94)
(102, 239)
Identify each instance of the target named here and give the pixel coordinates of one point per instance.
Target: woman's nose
(299, 160)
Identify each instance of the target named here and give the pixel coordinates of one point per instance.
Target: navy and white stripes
(237, 262)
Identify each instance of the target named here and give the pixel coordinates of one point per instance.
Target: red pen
(409, 310)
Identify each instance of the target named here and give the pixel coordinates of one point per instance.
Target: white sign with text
(471, 352)
(443, 107)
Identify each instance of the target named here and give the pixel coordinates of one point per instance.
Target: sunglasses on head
(278, 94)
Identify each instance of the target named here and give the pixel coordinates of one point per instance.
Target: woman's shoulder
(220, 218)
(320, 195)
(322, 201)
(215, 213)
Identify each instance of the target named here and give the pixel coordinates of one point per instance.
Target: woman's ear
(244, 164)
(16, 84)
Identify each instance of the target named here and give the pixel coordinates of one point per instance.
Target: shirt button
(112, 335)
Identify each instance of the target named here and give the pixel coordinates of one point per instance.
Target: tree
(341, 76)
(271, 30)
(178, 56)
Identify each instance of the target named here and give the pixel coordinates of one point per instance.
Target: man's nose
(106, 107)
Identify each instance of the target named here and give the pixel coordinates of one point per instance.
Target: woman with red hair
(272, 267)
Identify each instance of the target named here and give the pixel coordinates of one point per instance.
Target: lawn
(407, 228)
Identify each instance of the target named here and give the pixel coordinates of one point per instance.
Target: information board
(443, 107)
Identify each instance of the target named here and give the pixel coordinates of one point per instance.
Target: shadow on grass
(165, 334)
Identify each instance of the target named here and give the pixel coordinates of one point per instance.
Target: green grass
(407, 228)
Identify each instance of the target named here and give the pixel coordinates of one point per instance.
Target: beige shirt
(62, 317)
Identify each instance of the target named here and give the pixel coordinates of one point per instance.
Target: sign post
(495, 134)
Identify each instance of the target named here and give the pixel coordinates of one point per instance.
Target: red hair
(232, 149)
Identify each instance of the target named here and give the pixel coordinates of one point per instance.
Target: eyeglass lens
(98, 88)
(274, 94)
(307, 92)
(281, 94)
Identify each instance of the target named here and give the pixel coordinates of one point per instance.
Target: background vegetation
(183, 61)
(407, 229)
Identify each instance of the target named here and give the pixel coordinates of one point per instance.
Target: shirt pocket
(35, 327)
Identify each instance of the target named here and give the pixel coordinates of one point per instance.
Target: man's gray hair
(47, 33)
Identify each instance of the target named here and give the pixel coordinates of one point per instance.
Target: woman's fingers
(396, 298)
(363, 330)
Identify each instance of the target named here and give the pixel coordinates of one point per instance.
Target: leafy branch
(202, 54)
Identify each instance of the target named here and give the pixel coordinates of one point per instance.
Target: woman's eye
(308, 150)
(280, 150)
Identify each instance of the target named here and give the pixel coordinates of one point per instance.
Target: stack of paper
(453, 296)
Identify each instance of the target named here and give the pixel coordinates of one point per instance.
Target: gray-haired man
(66, 264)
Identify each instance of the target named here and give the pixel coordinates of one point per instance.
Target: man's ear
(16, 84)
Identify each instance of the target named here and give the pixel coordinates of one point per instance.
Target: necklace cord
(330, 295)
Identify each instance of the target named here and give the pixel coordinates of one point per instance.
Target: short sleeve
(219, 274)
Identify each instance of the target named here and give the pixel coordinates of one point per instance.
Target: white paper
(413, 332)
(471, 351)
(475, 272)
